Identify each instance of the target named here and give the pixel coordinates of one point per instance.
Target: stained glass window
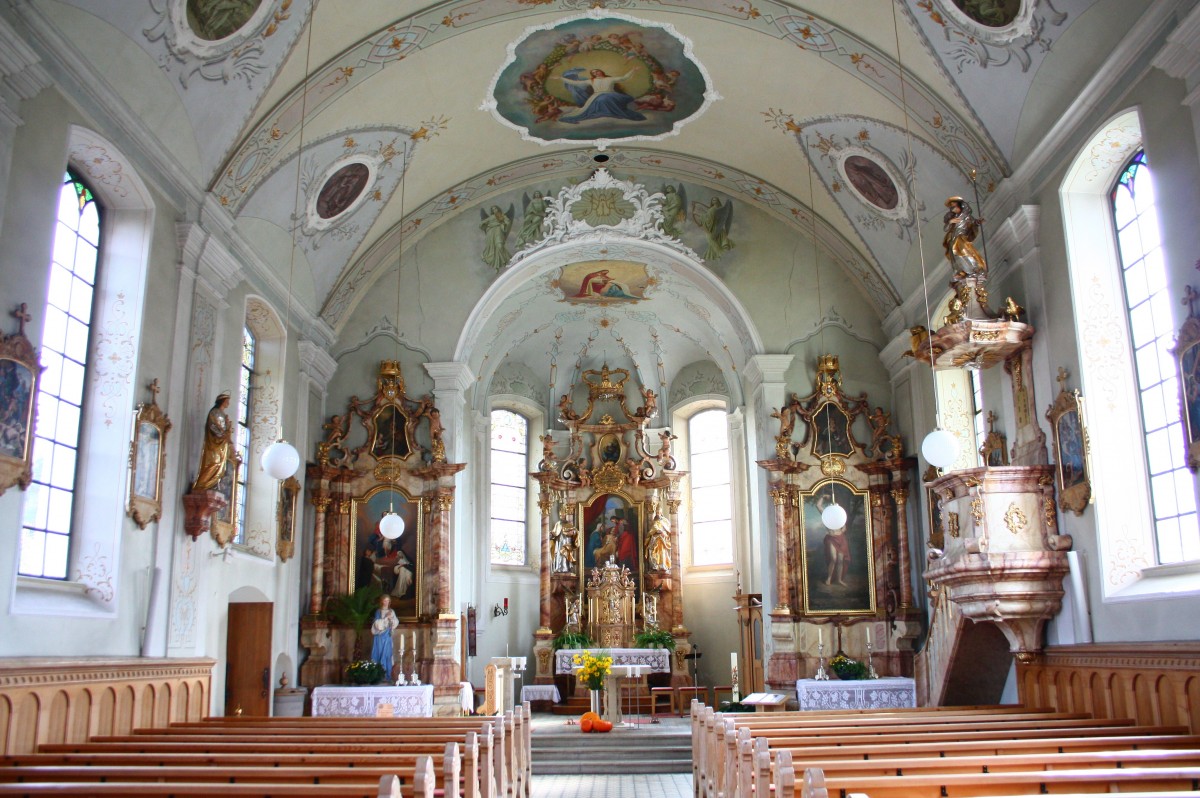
(66, 333)
(246, 374)
(1151, 334)
(510, 475)
(712, 505)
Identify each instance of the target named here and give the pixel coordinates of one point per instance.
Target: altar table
(889, 692)
(659, 659)
(362, 702)
(540, 692)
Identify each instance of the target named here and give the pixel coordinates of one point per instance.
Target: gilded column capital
(444, 502)
(779, 495)
(321, 503)
(900, 496)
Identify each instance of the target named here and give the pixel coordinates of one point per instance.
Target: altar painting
(830, 432)
(392, 565)
(612, 527)
(837, 564)
(603, 282)
(592, 79)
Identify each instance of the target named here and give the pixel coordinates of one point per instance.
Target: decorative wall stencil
(600, 77)
(100, 167)
(603, 282)
(95, 572)
(114, 359)
(183, 595)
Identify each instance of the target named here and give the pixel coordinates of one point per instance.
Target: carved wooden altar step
(629, 750)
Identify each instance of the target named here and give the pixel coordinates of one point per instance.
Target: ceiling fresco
(889, 103)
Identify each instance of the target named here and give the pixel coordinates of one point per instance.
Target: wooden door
(248, 659)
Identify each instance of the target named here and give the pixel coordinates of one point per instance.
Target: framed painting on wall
(1187, 361)
(612, 527)
(837, 566)
(394, 565)
(1070, 448)
(19, 375)
(147, 460)
(289, 497)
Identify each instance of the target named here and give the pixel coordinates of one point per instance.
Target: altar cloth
(659, 659)
(363, 702)
(889, 692)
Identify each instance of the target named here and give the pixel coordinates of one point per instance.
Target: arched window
(242, 440)
(509, 495)
(66, 334)
(711, 497)
(1151, 335)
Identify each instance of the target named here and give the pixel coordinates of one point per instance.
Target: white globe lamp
(833, 516)
(280, 460)
(940, 448)
(391, 526)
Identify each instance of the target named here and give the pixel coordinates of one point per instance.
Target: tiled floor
(672, 786)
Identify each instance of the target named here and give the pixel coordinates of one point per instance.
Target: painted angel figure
(674, 209)
(532, 220)
(496, 225)
(715, 219)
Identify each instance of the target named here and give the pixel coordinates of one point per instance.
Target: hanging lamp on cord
(391, 526)
(940, 447)
(834, 515)
(280, 460)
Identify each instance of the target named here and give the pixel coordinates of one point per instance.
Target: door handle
(266, 681)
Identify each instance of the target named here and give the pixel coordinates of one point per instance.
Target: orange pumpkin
(587, 724)
(602, 726)
(589, 716)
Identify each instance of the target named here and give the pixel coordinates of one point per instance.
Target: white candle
(414, 643)
(819, 640)
(868, 634)
(401, 646)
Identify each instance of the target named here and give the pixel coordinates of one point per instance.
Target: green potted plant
(654, 638)
(355, 610)
(364, 671)
(848, 669)
(571, 640)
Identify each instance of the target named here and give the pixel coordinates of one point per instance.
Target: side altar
(384, 455)
(610, 525)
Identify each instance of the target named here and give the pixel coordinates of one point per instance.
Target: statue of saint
(962, 228)
(658, 542)
(218, 445)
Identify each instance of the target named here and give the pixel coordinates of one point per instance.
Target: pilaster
(21, 77)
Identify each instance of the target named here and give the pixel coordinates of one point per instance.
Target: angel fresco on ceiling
(715, 219)
(496, 224)
(674, 209)
(531, 222)
(598, 79)
(992, 13)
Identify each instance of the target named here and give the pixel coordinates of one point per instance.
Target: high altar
(609, 525)
(384, 454)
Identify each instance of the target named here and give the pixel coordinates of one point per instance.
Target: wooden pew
(387, 787)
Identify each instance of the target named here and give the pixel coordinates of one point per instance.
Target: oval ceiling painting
(341, 190)
(990, 13)
(871, 182)
(599, 79)
(213, 20)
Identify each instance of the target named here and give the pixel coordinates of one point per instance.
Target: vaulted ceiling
(427, 111)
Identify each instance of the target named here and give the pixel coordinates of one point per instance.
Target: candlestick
(821, 675)
(871, 674)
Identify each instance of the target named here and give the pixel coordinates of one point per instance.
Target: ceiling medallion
(599, 77)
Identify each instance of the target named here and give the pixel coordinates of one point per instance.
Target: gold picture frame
(833, 584)
(599, 519)
(20, 375)
(1071, 453)
(147, 460)
(398, 567)
(285, 518)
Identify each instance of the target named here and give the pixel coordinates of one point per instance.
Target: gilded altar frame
(364, 537)
(147, 461)
(594, 510)
(285, 518)
(856, 593)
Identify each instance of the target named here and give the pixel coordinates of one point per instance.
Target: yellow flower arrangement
(593, 668)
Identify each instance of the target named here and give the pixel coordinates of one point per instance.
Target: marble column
(544, 592)
(316, 601)
(900, 498)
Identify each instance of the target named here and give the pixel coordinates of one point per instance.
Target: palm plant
(356, 611)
